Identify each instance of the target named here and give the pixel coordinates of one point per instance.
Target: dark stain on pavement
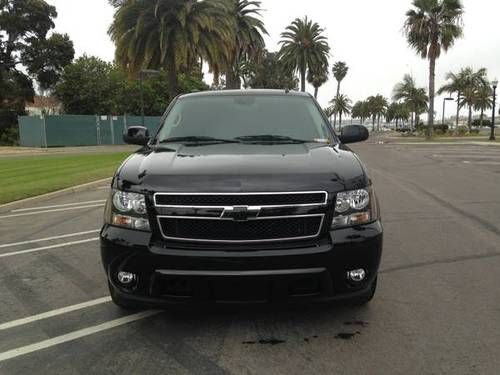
(271, 342)
(346, 335)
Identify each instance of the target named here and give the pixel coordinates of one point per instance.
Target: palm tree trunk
(458, 110)
(303, 79)
(335, 115)
(173, 83)
(340, 121)
(374, 118)
(469, 120)
(316, 89)
(432, 82)
(233, 81)
(481, 118)
(397, 120)
(378, 122)
(412, 122)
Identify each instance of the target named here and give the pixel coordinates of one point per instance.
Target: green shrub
(9, 136)
(441, 129)
(474, 131)
(462, 130)
(477, 122)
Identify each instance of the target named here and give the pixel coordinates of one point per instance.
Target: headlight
(126, 202)
(131, 204)
(355, 207)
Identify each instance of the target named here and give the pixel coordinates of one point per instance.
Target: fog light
(356, 275)
(126, 278)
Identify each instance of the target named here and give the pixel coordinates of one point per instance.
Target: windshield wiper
(197, 139)
(270, 138)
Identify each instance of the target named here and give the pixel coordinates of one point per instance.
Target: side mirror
(136, 135)
(353, 134)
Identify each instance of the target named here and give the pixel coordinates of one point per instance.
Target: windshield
(245, 118)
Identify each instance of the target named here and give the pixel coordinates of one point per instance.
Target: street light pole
(444, 107)
(492, 134)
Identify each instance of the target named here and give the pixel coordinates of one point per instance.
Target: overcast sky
(364, 33)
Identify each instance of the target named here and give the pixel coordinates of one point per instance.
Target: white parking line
(58, 206)
(49, 238)
(23, 350)
(48, 211)
(50, 314)
(47, 248)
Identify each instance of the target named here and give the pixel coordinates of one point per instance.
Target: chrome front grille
(240, 217)
(211, 200)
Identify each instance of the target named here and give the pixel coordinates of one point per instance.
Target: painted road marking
(59, 206)
(48, 211)
(23, 350)
(49, 238)
(47, 248)
(50, 314)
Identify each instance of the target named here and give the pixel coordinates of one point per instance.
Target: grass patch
(28, 176)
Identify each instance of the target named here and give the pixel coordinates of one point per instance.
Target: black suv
(242, 196)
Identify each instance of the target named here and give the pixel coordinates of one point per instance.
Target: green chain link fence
(78, 130)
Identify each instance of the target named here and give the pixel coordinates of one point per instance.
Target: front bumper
(317, 272)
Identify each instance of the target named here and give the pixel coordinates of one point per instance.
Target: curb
(54, 194)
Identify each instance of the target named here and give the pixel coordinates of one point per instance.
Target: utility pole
(492, 134)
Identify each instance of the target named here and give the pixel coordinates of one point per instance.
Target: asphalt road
(437, 309)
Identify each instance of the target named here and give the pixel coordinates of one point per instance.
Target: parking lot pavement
(437, 309)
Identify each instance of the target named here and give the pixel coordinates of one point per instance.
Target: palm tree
(472, 82)
(483, 100)
(357, 110)
(378, 105)
(340, 70)
(390, 114)
(341, 105)
(432, 27)
(414, 97)
(397, 112)
(249, 44)
(303, 48)
(329, 112)
(172, 35)
(361, 110)
(317, 79)
(365, 111)
(455, 85)
(402, 113)
(465, 80)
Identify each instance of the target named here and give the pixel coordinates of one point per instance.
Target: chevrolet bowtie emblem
(241, 213)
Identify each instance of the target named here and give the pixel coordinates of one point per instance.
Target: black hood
(242, 168)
